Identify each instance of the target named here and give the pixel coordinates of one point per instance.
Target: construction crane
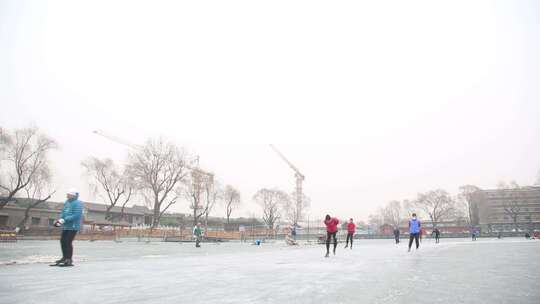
(117, 140)
(196, 172)
(299, 177)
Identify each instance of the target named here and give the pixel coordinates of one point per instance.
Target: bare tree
(23, 155)
(231, 199)
(512, 205)
(107, 181)
(461, 211)
(437, 204)
(393, 213)
(502, 185)
(195, 194)
(158, 169)
(213, 193)
(5, 140)
(270, 201)
(376, 220)
(408, 207)
(514, 185)
(466, 203)
(294, 210)
(37, 193)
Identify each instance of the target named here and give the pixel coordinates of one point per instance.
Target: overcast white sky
(372, 100)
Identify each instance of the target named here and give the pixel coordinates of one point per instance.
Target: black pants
(66, 241)
(349, 237)
(415, 237)
(436, 238)
(396, 237)
(328, 236)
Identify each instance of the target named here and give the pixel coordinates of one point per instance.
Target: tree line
(438, 206)
(158, 172)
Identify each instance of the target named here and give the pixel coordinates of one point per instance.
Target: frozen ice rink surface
(375, 271)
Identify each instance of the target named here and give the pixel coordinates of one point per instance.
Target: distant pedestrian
(437, 234)
(351, 229)
(396, 234)
(197, 233)
(70, 220)
(414, 231)
(331, 232)
(289, 238)
(473, 234)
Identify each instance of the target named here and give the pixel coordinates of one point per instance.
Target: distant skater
(414, 231)
(290, 237)
(437, 234)
(331, 231)
(197, 233)
(396, 234)
(351, 229)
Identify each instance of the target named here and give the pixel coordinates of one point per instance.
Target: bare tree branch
(295, 211)
(466, 195)
(195, 194)
(393, 213)
(34, 190)
(512, 204)
(23, 157)
(231, 199)
(105, 180)
(437, 204)
(158, 170)
(270, 201)
(213, 193)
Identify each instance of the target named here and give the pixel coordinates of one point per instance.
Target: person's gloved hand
(59, 222)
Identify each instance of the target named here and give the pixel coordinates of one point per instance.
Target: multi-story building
(508, 209)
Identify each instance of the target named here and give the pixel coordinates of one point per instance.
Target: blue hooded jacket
(72, 215)
(414, 226)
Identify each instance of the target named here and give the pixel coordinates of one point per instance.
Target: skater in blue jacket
(70, 221)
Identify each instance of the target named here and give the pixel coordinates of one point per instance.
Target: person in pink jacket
(331, 231)
(351, 229)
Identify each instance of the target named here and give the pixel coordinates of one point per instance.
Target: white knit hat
(73, 192)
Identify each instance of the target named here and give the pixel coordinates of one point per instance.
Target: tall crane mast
(298, 176)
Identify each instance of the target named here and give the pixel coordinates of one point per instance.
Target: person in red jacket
(351, 229)
(331, 231)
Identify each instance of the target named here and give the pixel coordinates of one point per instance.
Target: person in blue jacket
(414, 231)
(70, 221)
